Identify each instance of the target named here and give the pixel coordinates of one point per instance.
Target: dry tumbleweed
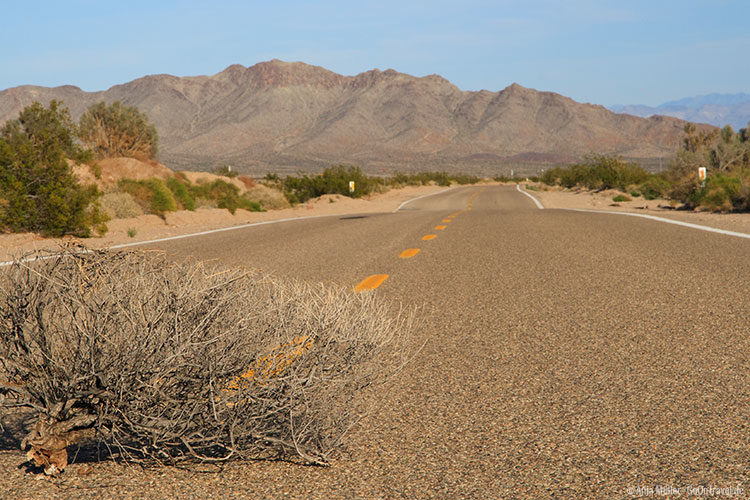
(166, 361)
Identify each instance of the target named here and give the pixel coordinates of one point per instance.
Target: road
(567, 354)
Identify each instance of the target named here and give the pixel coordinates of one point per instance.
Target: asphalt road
(568, 355)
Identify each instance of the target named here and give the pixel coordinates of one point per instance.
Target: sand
(555, 197)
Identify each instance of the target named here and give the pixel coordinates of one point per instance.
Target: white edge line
(181, 236)
(538, 203)
(662, 219)
(645, 216)
(423, 196)
(220, 230)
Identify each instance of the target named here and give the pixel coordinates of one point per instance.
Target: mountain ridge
(715, 109)
(288, 116)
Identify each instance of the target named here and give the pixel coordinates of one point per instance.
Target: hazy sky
(604, 52)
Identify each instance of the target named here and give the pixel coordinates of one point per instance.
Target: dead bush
(119, 205)
(268, 197)
(170, 362)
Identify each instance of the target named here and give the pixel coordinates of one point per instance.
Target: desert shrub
(656, 186)
(726, 157)
(269, 197)
(117, 130)
(597, 172)
(152, 195)
(620, 198)
(38, 191)
(164, 361)
(464, 179)
(225, 195)
(333, 180)
(722, 193)
(181, 192)
(118, 205)
(516, 179)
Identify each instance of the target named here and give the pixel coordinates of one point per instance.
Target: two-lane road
(568, 354)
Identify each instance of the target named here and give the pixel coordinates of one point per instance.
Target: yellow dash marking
(427, 237)
(371, 282)
(446, 220)
(409, 252)
(440, 228)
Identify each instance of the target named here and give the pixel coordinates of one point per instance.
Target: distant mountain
(714, 109)
(287, 116)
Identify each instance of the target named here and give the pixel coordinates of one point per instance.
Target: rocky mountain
(292, 116)
(715, 109)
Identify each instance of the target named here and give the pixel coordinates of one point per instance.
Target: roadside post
(702, 175)
(351, 186)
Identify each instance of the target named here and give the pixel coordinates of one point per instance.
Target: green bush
(726, 157)
(656, 186)
(152, 195)
(620, 198)
(335, 180)
(225, 194)
(597, 172)
(722, 193)
(38, 191)
(181, 192)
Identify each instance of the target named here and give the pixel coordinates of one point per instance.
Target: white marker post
(702, 175)
(351, 186)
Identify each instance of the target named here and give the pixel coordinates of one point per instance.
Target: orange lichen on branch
(272, 364)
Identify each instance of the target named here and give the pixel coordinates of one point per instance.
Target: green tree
(38, 191)
(118, 130)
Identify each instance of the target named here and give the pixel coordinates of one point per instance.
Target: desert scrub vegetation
(119, 205)
(118, 130)
(335, 180)
(38, 191)
(156, 196)
(597, 172)
(724, 154)
(150, 360)
(426, 178)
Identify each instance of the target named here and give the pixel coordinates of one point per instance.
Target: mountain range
(281, 116)
(714, 109)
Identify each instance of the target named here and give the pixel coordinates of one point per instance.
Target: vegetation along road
(568, 354)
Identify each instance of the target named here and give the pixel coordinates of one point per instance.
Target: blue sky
(604, 52)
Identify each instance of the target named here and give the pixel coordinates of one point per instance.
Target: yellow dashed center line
(374, 281)
(409, 252)
(371, 282)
